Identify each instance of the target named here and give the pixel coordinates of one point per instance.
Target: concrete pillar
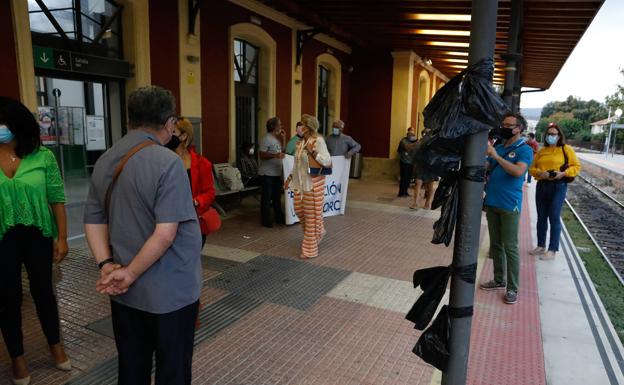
(136, 42)
(402, 89)
(25, 61)
(190, 69)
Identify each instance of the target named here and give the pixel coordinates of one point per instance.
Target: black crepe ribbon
(461, 312)
(433, 282)
(473, 173)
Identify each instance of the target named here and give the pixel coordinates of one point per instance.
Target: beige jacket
(301, 179)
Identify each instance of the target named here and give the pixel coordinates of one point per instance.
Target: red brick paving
(506, 341)
(335, 342)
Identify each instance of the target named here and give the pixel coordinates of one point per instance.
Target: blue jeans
(549, 198)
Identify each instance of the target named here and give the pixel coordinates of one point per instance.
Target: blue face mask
(552, 139)
(5, 134)
(336, 131)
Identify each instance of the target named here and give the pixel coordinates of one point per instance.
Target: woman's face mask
(552, 139)
(173, 143)
(5, 134)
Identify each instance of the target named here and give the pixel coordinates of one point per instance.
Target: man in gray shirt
(147, 244)
(340, 144)
(270, 171)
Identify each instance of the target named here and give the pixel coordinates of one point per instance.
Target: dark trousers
(271, 196)
(26, 245)
(549, 197)
(139, 334)
(406, 170)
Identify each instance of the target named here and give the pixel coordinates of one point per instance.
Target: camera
(552, 173)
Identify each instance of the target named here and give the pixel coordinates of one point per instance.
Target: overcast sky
(592, 71)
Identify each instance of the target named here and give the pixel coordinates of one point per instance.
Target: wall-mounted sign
(96, 135)
(62, 60)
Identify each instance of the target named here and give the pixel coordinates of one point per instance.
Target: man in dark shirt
(406, 161)
(147, 243)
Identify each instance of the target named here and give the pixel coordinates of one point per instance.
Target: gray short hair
(150, 107)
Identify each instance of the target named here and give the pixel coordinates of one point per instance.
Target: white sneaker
(537, 251)
(550, 255)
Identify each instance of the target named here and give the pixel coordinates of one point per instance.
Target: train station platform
(271, 318)
(613, 163)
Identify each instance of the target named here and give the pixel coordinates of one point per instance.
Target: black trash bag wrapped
(439, 156)
(467, 104)
(443, 192)
(449, 198)
(433, 282)
(433, 344)
(480, 100)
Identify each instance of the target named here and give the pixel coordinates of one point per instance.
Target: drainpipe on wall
(466, 247)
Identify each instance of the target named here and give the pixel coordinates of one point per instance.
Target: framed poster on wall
(47, 131)
(96, 133)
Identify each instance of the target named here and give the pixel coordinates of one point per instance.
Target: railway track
(603, 218)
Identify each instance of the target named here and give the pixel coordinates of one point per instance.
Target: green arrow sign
(44, 57)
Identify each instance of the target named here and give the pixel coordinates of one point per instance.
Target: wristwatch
(105, 262)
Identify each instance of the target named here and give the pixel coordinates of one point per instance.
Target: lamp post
(617, 114)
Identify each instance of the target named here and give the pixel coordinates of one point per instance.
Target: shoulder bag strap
(517, 146)
(565, 156)
(119, 169)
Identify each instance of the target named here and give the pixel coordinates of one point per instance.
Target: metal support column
(513, 57)
(466, 247)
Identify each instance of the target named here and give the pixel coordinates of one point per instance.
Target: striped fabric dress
(309, 210)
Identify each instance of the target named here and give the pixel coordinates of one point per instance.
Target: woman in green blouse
(33, 232)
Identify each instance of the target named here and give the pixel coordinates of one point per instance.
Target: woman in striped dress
(308, 183)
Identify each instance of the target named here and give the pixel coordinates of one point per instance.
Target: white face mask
(336, 131)
(251, 151)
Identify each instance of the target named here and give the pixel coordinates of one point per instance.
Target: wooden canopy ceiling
(551, 30)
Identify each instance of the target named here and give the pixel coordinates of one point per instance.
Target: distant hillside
(531, 113)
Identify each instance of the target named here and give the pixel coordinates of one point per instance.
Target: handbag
(210, 221)
(316, 169)
(565, 166)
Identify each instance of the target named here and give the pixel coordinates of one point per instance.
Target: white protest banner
(336, 186)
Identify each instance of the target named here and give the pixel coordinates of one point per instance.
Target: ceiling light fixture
(438, 17)
(456, 53)
(456, 60)
(448, 44)
(441, 32)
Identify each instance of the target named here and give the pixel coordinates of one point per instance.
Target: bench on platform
(222, 192)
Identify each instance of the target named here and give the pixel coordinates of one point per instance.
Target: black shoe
(267, 224)
(492, 285)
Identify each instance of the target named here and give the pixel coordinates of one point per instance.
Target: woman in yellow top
(33, 233)
(552, 165)
(308, 183)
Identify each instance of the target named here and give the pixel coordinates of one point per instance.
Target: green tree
(585, 111)
(616, 100)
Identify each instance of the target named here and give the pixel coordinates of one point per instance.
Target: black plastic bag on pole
(433, 282)
(449, 198)
(432, 346)
(467, 104)
(440, 156)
